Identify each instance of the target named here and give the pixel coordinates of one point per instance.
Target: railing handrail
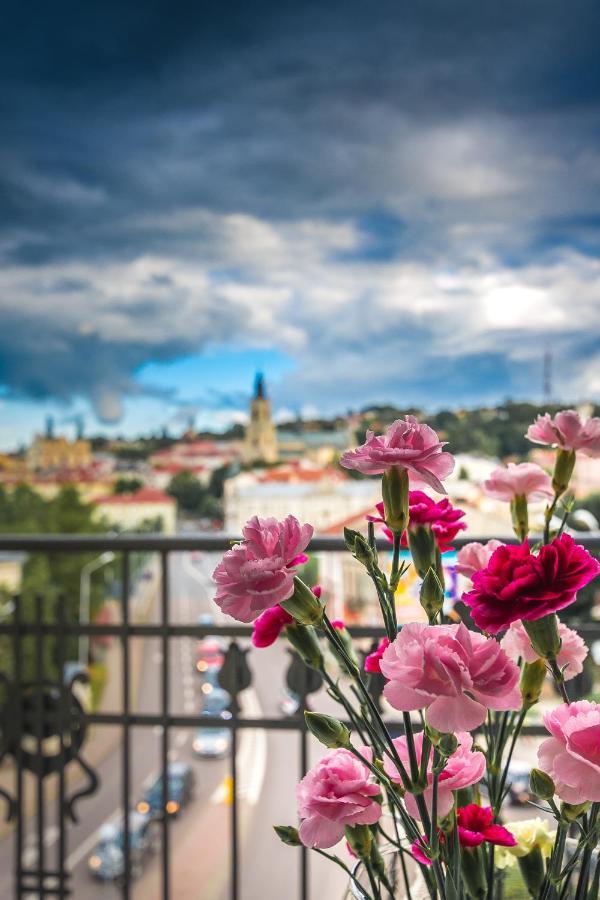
(214, 542)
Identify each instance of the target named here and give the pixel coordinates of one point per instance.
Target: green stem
(341, 864)
(555, 861)
(591, 842)
(517, 730)
(548, 517)
(559, 679)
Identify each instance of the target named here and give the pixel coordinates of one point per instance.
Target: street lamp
(85, 586)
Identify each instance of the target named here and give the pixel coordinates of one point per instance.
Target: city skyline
(395, 206)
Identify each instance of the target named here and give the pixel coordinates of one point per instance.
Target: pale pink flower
(338, 791)
(573, 650)
(259, 572)
(475, 556)
(567, 431)
(406, 444)
(453, 673)
(518, 480)
(464, 768)
(571, 757)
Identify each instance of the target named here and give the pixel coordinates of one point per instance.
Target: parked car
(180, 791)
(107, 862)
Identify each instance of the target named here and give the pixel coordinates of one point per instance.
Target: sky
(393, 202)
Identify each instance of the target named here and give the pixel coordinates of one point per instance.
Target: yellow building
(58, 453)
(260, 444)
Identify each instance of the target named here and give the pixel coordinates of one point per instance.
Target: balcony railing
(44, 724)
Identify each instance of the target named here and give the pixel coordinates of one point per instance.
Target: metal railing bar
(165, 675)
(18, 672)
(38, 703)
(215, 543)
(148, 720)
(590, 630)
(125, 722)
(62, 722)
(234, 806)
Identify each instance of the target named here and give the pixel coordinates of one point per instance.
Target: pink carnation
(518, 480)
(573, 650)
(269, 626)
(406, 444)
(475, 556)
(373, 660)
(567, 431)
(572, 755)
(338, 791)
(443, 518)
(464, 768)
(454, 673)
(259, 572)
(516, 584)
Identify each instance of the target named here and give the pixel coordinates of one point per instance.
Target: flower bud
(360, 839)
(447, 745)
(541, 785)
(303, 605)
(572, 811)
(288, 835)
(431, 595)
(328, 730)
(544, 636)
(359, 547)
(394, 489)
(303, 639)
(520, 516)
(532, 679)
(563, 469)
(422, 544)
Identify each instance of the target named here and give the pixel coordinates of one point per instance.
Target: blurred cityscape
(189, 486)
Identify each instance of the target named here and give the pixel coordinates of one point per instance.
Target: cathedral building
(260, 443)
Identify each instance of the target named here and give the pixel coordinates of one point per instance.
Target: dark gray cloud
(160, 168)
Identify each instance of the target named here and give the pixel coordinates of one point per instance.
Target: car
(180, 791)
(290, 703)
(107, 861)
(212, 742)
(210, 654)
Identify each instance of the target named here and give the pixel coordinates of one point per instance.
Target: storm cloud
(407, 191)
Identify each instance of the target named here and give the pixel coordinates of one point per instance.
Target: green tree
(127, 485)
(193, 497)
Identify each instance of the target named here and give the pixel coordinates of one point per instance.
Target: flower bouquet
(428, 806)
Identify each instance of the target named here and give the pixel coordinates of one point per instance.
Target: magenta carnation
(441, 516)
(464, 768)
(338, 791)
(269, 626)
(572, 755)
(259, 572)
(568, 431)
(516, 584)
(453, 673)
(475, 556)
(518, 480)
(476, 825)
(573, 651)
(406, 444)
(373, 660)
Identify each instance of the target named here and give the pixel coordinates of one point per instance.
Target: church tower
(260, 443)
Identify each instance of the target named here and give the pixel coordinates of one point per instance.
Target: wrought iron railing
(44, 723)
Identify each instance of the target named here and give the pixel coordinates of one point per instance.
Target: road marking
(252, 759)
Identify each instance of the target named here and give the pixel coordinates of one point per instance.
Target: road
(268, 763)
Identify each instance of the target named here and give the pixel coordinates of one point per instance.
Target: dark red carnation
(373, 660)
(443, 518)
(516, 584)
